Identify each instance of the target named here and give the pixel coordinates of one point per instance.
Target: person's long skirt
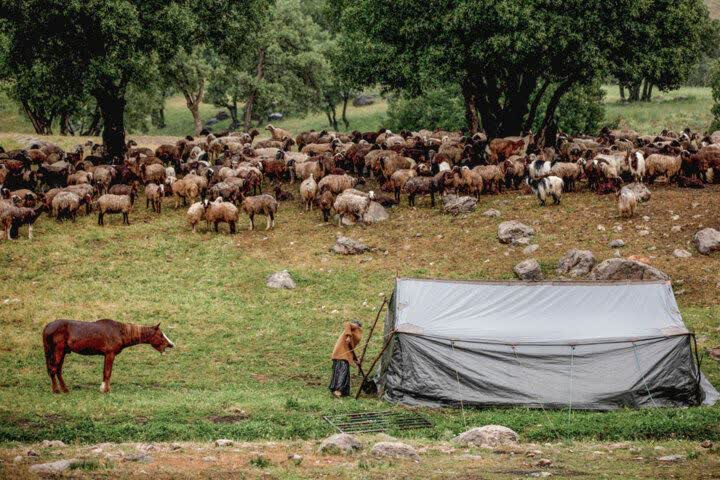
(340, 380)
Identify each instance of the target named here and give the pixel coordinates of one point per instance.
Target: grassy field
(252, 363)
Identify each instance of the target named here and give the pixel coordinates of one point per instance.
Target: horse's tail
(49, 346)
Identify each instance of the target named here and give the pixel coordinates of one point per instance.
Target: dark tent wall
(423, 365)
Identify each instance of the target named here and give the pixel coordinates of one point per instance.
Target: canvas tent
(595, 346)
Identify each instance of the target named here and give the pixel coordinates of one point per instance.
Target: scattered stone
(52, 444)
(209, 458)
(394, 450)
(295, 458)
(680, 253)
(376, 213)
(616, 244)
(576, 263)
(706, 444)
(224, 442)
(139, 457)
(56, 467)
(18, 459)
(492, 213)
(348, 246)
(640, 190)
(644, 233)
(281, 280)
(543, 462)
(707, 241)
(530, 249)
(601, 228)
(514, 232)
(541, 474)
(676, 229)
(671, 458)
(626, 269)
(175, 446)
(455, 205)
(675, 218)
(695, 204)
(32, 453)
(340, 443)
(489, 436)
(646, 218)
(528, 270)
(617, 254)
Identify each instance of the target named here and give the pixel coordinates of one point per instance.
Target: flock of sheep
(220, 176)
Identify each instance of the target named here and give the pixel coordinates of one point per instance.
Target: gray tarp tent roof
(594, 346)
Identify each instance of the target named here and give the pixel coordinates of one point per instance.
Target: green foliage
(715, 86)
(581, 110)
(437, 108)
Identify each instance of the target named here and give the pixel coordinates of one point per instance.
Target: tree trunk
(549, 134)
(645, 86)
(622, 92)
(197, 120)
(650, 92)
(232, 108)
(534, 106)
(93, 130)
(66, 127)
(41, 124)
(250, 102)
(112, 108)
(346, 98)
(471, 113)
(193, 101)
(157, 117)
(634, 93)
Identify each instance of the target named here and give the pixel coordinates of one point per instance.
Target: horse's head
(159, 340)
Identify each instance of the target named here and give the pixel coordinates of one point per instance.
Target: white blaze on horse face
(168, 340)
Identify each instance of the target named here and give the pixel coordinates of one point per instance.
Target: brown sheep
(278, 133)
(325, 202)
(260, 205)
(109, 203)
(185, 189)
(154, 194)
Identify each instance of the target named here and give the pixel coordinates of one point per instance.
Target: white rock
(340, 443)
(514, 232)
(676, 229)
(671, 458)
(707, 241)
(224, 442)
(52, 444)
(576, 263)
(56, 467)
(492, 213)
(489, 436)
(680, 253)
(280, 280)
(394, 450)
(528, 270)
(530, 249)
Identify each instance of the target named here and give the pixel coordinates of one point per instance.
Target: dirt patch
(230, 418)
(309, 380)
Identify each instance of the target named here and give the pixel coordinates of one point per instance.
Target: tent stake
(372, 329)
(387, 344)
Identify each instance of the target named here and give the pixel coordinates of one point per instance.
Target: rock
(601, 228)
(224, 442)
(675, 218)
(209, 458)
(56, 467)
(541, 474)
(18, 459)
(680, 253)
(281, 280)
(530, 249)
(671, 458)
(676, 229)
(707, 241)
(52, 444)
(394, 450)
(617, 254)
(348, 246)
(616, 244)
(222, 115)
(32, 453)
(275, 116)
(644, 233)
(363, 100)
(706, 444)
(295, 458)
(340, 443)
(489, 436)
(492, 213)
(528, 270)
(576, 263)
(640, 190)
(543, 462)
(376, 213)
(514, 232)
(138, 457)
(626, 269)
(455, 205)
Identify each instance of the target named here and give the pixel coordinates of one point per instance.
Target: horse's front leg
(107, 371)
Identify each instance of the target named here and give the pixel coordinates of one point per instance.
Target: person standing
(343, 353)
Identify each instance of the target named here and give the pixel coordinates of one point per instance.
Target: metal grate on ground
(369, 422)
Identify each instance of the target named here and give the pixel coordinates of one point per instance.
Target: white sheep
(195, 214)
(636, 163)
(308, 192)
(351, 202)
(547, 187)
(539, 168)
(627, 202)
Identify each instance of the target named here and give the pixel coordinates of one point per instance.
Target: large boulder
(489, 436)
(376, 213)
(348, 246)
(281, 280)
(394, 450)
(640, 190)
(528, 270)
(715, 136)
(54, 468)
(340, 443)
(707, 241)
(576, 263)
(514, 232)
(626, 269)
(363, 100)
(456, 205)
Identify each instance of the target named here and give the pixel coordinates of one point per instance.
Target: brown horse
(102, 337)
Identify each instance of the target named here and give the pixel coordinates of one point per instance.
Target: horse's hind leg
(107, 372)
(49, 345)
(59, 373)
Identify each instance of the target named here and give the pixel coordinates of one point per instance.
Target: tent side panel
(433, 372)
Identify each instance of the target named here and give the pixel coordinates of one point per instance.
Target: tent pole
(372, 329)
(387, 344)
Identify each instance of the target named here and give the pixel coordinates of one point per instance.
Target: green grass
(242, 346)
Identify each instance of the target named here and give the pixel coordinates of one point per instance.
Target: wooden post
(387, 344)
(372, 329)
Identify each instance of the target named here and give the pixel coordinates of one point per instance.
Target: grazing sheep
(103, 177)
(569, 172)
(636, 163)
(79, 177)
(627, 202)
(337, 183)
(185, 189)
(195, 214)
(308, 192)
(200, 180)
(547, 187)
(663, 165)
(260, 205)
(473, 181)
(221, 212)
(492, 176)
(153, 173)
(65, 205)
(14, 217)
(303, 170)
(538, 168)
(278, 133)
(154, 194)
(85, 192)
(229, 191)
(325, 202)
(351, 203)
(420, 186)
(109, 203)
(122, 189)
(398, 180)
(514, 170)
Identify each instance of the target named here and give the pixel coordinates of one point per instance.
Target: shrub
(437, 108)
(715, 85)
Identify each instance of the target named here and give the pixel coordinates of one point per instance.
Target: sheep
(514, 170)
(221, 212)
(636, 163)
(569, 172)
(351, 203)
(667, 165)
(389, 165)
(28, 197)
(325, 202)
(399, 178)
(122, 189)
(65, 205)
(154, 194)
(320, 148)
(260, 205)
(79, 177)
(153, 173)
(14, 217)
(278, 133)
(420, 186)
(195, 214)
(627, 202)
(547, 187)
(110, 203)
(337, 183)
(185, 189)
(500, 149)
(473, 181)
(308, 192)
(538, 168)
(303, 170)
(103, 177)
(492, 176)
(229, 191)
(85, 192)
(200, 180)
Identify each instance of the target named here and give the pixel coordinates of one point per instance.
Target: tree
(101, 47)
(188, 72)
(715, 86)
